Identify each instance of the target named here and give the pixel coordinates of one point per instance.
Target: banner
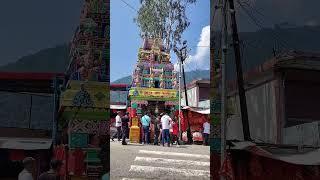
(86, 94)
(153, 94)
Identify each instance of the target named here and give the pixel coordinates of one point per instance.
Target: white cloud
(201, 58)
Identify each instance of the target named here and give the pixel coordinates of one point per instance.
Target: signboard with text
(153, 94)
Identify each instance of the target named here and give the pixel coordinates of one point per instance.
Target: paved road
(136, 161)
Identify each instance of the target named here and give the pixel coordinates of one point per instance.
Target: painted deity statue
(136, 75)
(162, 84)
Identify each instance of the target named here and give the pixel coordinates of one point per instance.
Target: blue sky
(125, 40)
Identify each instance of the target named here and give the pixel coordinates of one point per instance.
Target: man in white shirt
(206, 132)
(118, 125)
(26, 173)
(165, 124)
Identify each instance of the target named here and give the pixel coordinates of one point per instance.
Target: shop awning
(200, 111)
(120, 107)
(25, 143)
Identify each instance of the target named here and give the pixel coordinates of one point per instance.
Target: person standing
(125, 127)
(165, 123)
(26, 173)
(118, 125)
(53, 173)
(156, 130)
(145, 121)
(206, 132)
(175, 132)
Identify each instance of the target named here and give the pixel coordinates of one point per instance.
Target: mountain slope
(54, 60)
(190, 76)
(257, 47)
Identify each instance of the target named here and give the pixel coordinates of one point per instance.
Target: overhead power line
(130, 6)
(258, 23)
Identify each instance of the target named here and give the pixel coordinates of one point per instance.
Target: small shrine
(84, 104)
(154, 82)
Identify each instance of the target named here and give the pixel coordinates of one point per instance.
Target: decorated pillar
(84, 104)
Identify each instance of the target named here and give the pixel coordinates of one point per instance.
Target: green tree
(165, 19)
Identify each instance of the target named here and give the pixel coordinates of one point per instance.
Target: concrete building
(198, 92)
(27, 120)
(283, 101)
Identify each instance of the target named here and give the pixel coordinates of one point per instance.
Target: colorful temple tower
(84, 105)
(154, 83)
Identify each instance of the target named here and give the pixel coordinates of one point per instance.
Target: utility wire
(128, 5)
(250, 6)
(259, 23)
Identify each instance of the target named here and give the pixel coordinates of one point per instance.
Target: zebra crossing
(150, 164)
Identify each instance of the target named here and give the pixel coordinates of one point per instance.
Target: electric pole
(241, 90)
(180, 133)
(212, 67)
(224, 46)
(183, 58)
(182, 54)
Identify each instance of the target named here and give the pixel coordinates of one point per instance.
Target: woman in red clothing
(175, 132)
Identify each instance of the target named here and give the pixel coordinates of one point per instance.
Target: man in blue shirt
(145, 121)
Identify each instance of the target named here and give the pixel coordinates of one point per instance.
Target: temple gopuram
(154, 83)
(83, 144)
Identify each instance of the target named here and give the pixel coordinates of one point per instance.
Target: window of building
(156, 57)
(156, 84)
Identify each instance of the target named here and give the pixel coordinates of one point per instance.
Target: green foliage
(165, 19)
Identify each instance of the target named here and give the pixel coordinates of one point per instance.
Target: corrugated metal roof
(290, 59)
(307, 157)
(25, 143)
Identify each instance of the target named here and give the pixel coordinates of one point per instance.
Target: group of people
(164, 127)
(52, 174)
